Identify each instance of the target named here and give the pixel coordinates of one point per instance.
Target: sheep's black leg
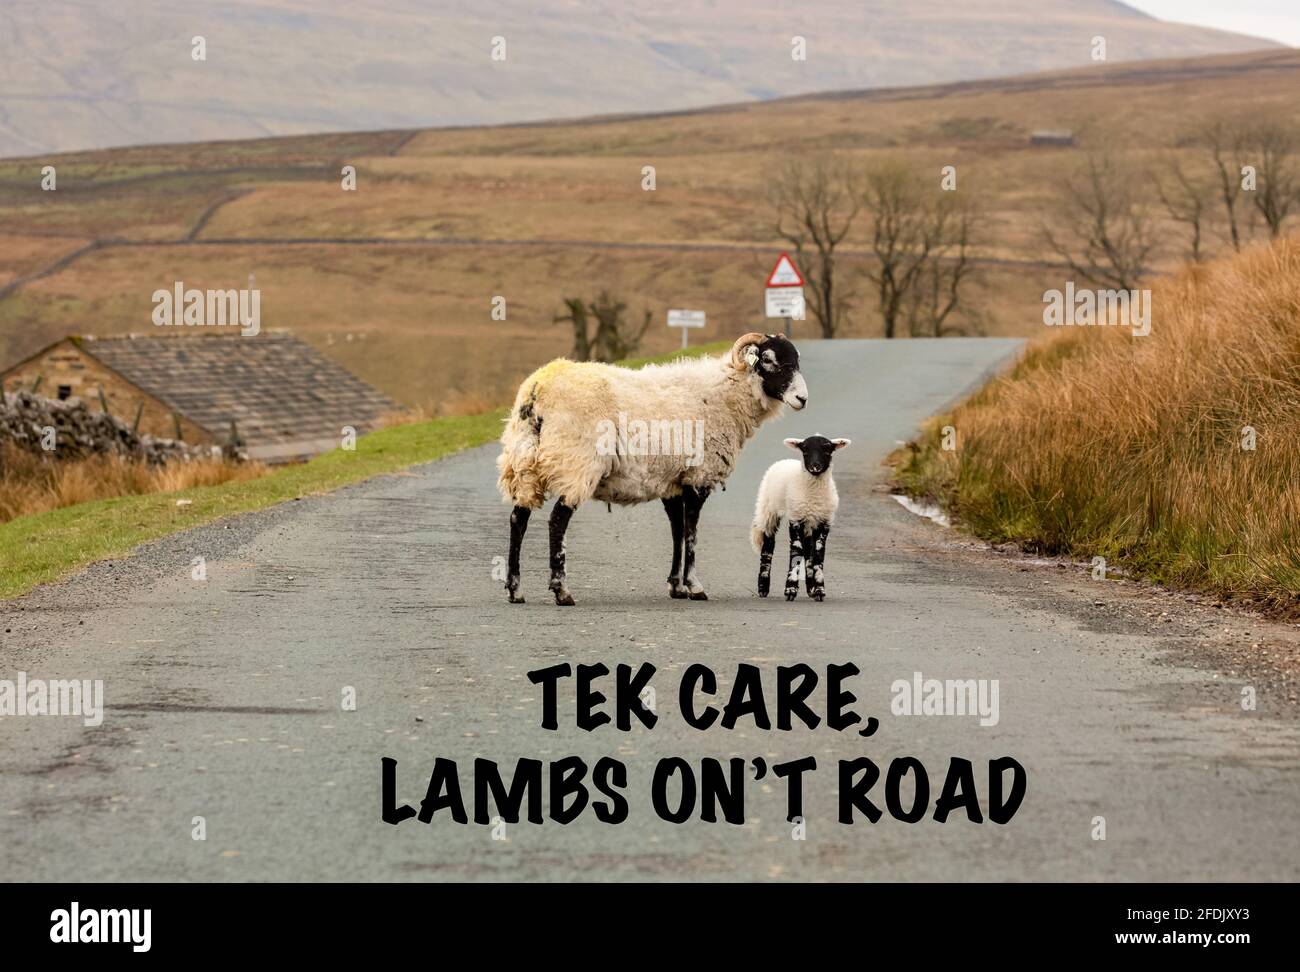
(796, 561)
(560, 516)
(692, 502)
(817, 557)
(765, 563)
(518, 524)
(675, 508)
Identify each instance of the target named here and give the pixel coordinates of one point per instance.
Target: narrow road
(223, 697)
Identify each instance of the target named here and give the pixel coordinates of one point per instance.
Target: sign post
(784, 294)
(685, 319)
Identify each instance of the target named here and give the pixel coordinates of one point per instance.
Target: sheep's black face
(817, 451)
(778, 365)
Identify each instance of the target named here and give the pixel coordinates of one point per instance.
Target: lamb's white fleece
(791, 491)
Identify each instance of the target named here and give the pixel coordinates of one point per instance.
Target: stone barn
(276, 397)
(1043, 137)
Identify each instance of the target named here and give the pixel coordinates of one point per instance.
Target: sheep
(804, 492)
(587, 431)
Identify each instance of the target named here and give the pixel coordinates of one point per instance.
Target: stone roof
(287, 399)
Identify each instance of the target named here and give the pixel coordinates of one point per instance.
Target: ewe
(804, 492)
(559, 441)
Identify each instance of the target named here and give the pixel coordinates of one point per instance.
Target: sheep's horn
(738, 349)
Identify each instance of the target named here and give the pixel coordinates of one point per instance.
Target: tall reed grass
(1136, 449)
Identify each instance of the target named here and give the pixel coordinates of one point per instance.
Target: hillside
(78, 74)
(397, 279)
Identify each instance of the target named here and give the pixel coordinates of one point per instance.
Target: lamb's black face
(817, 451)
(778, 365)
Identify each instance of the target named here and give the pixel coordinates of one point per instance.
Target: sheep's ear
(795, 444)
(841, 443)
(743, 354)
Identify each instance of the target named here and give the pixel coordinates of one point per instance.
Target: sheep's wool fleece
(789, 490)
(550, 442)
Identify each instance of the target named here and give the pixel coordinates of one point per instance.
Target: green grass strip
(46, 546)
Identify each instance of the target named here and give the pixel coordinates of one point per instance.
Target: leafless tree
(614, 339)
(936, 299)
(921, 238)
(1271, 146)
(1102, 228)
(1222, 140)
(899, 239)
(1188, 196)
(577, 316)
(816, 203)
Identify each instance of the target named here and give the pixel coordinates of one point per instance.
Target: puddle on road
(928, 510)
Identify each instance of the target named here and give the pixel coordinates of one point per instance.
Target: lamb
(804, 493)
(584, 431)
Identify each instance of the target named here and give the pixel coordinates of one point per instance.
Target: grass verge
(1174, 455)
(45, 546)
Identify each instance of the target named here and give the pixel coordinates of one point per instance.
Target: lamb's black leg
(765, 563)
(817, 558)
(559, 523)
(675, 508)
(692, 502)
(810, 554)
(518, 524)
(796, 561)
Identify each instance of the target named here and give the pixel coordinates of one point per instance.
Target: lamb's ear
(795, 444)
(743, 353)
(841, 443)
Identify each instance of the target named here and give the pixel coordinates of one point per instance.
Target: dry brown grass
(452, 403)
(415, 318)
(33, 484)
(1131, 448)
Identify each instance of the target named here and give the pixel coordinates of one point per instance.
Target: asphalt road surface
(224, 697)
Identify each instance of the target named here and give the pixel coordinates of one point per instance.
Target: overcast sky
(1277, 20)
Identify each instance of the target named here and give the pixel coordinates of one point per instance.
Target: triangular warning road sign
(784, 274)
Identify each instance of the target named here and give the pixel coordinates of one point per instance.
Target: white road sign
(685, 319)
(785, 302)
(784, 294)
